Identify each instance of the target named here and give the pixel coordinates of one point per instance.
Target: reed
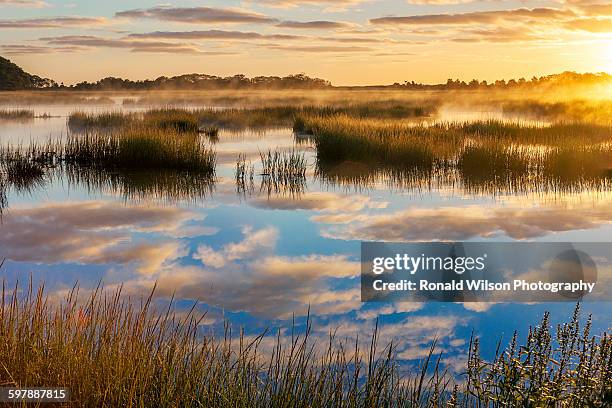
(174, 120)
(16, 114)
(21, 169)
(108, 120)
(283, 165)
(115, 352)
(210, 120)
(161, 185)
(245, 173)
(575, 110)
(138, 148)
(482, 153)
(286, 116)
(178, 120)
(119, 157)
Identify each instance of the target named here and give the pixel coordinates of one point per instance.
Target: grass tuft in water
(487, 155)
(16, 114)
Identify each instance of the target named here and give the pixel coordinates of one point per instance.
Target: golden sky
(345, 41)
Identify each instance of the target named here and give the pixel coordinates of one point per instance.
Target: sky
(349, 42)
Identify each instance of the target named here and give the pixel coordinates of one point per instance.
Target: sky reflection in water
(258, 258)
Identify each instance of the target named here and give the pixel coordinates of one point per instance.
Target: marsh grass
(209, 120)
(581, 110)
(293, 188)
(107, 120)
(163, 119)
(245, 173)
(283, 167)
(138, 148)
(286, 116)
(22, 171)
(137, 162)
(212, 133)
(16, 114)
(488, 155)
(178, 120)
(113, 351)
(168, 186)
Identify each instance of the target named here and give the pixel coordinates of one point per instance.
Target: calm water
(261, 255)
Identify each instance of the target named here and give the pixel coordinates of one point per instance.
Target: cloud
(316, 25)
(270, 285)
(23, 49)
(255, 243)
(477, 17)
(223, 35)
(329, 5)
(366, 312)
(54, 22)
(93, 233)
(458, 223)
(197, 15)
(592, 25)
(440, 2)
(134, 46)
(318, 201)
(498, 34)
(214, 35)
(24, 3)
(596, 9)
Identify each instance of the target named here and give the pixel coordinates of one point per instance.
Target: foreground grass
(113, 352)
(482, 154)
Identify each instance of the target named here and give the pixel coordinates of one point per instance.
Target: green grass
(16, 114)
(114, 352)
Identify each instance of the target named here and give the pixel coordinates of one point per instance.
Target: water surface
(261, 255)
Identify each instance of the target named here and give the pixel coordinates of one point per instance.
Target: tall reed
(111, 351)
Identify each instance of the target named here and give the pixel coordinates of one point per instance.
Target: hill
(13, 78)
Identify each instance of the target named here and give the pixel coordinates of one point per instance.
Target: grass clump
(16, 114)
(167, 119)
(179, 120)
(283, 165)
(137, 161)
(23, 169)
(108, 120)
(111, 352)
(245, 172)
(599, 112)
(139, 148)
(485, 155)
